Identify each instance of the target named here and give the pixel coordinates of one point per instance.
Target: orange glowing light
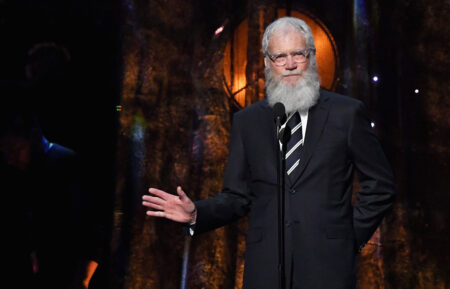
(235, 63)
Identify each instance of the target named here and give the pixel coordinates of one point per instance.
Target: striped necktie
(294, 146)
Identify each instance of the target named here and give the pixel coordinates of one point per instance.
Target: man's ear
(265, 62)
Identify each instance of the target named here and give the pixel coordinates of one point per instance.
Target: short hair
(283, 22)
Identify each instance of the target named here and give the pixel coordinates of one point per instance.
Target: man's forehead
(287, 37)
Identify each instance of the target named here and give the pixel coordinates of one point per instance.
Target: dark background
(82, 114)
(90, 32)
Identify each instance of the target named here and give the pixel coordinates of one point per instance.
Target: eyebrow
(284, 53)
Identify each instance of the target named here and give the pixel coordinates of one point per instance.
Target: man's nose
(290, 63)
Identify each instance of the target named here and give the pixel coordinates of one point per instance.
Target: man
(55, 239)
(323, 230)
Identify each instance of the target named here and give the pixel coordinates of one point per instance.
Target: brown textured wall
(419, 255)
(175, 124)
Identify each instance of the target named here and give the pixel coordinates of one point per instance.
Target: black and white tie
(294, 146)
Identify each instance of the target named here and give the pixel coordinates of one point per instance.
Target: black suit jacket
(324, 231)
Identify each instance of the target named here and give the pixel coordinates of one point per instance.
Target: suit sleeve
(234, 200)
(377, 186)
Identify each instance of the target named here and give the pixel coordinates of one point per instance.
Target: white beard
(300, 97)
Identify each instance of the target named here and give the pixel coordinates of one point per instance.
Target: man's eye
(281, 56)
(298, 53)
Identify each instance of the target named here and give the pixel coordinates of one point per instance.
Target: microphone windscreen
(279, 111)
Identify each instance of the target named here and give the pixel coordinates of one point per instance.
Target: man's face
(287, 41)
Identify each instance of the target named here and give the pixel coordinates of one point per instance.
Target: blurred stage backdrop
(161, 80)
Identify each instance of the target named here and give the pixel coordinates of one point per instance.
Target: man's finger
(181, 193)
(159, 193)
(160, 214)
(154, 200)
(153, 205)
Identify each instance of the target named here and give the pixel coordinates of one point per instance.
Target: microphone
(279, 113)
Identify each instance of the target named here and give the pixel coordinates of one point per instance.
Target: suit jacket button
(292, 191)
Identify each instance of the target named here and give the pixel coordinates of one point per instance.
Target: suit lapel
(269, 117)
(317, 117)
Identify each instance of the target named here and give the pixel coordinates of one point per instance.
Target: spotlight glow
(416, 91)
(372, 124)
(219, 30)
(375, 78)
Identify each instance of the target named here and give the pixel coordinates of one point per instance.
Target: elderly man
(330, 139)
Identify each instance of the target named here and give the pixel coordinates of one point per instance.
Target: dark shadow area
(69, 53)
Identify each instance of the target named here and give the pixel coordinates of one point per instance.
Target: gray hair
(283, 22)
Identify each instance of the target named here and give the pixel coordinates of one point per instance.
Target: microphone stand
(281, 203)
(187, 244)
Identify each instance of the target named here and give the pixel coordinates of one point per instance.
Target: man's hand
(176, 208)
